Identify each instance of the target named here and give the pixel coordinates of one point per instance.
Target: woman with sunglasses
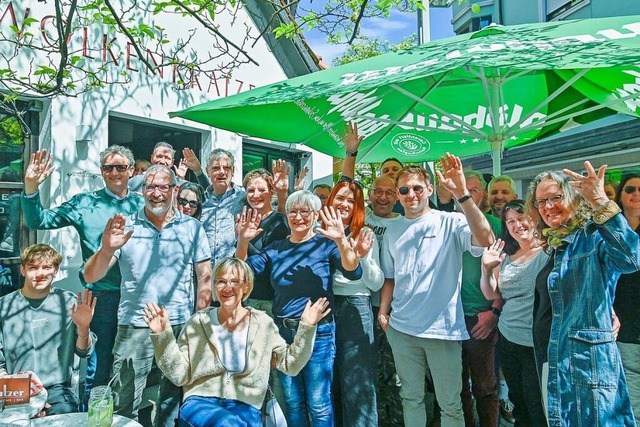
(592, 244)
(300, 269)
(224, 355)
(259, 187)
(509, 270)
(628, 295)
(355, 367)
(190, 199)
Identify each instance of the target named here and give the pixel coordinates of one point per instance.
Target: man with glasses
(379, 216)
(420, 306)
(223, 201)
(157, 249)
(88, 213)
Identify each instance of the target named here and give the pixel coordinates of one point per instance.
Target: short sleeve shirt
(157, 266)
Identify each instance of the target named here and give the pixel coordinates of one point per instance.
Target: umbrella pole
(496, 156)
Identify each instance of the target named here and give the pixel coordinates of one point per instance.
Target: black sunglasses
(630, 189)
(418, 189)
(192, 203)
(109, 168)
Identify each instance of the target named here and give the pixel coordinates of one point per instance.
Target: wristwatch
(351, 153)
(496, 311)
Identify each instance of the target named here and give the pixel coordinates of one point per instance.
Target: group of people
(347, 311)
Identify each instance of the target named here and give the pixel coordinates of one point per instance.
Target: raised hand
(181, 169)
(115, 236)
(334, 227)
(298, 182)
(591, 187)
(493, 255)
(363, 244)
(191, 160)
(350, 137)
(156, 317)
(82, 311)
(453, 178)
(313, 313)
(281, 171)
(248, 224)
(38, 170)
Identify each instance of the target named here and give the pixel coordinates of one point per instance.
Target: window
(14, 148)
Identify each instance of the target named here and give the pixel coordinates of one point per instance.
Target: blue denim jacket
(586, 383)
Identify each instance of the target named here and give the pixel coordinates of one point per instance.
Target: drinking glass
(100, 407)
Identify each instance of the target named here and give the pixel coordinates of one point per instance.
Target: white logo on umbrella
(410, 144)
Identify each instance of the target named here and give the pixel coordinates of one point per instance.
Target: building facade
(132, 112)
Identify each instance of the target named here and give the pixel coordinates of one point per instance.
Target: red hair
(357, 219)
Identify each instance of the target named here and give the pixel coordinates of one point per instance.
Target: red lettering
(194, 78)
(213, 81)
(43, 22)
(240, 86)
(151, 58)
(129, 55)
(251, 86)
(107, 48)
(85, 50)
(12, 13)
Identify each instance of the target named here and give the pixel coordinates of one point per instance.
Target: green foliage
(370, 47)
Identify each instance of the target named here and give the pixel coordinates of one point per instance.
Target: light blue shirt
(219, 220)
(157, 266)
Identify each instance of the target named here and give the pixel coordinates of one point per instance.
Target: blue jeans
(198, 411)
(355, 368)
(105, 325)
(132, 361)
(310, 390)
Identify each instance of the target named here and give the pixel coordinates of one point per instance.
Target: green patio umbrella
(476, 93)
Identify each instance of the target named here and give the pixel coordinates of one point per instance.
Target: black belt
(293, 323)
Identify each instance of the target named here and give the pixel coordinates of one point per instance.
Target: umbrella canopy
(496, 88)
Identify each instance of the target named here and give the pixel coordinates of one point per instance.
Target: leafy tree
(38, 58)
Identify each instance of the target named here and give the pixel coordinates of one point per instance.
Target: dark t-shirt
(542, 314)
(626, 306)
(274, 227)
(299, 272)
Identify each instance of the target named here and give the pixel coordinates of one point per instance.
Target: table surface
(79, 419)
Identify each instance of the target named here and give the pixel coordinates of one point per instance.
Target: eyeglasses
(388, 193)
(553, 200)
(192, 203)
(109, 168)
(417, 189)
(221, 283)
(303, 214)
(162, 187)
(630, 189)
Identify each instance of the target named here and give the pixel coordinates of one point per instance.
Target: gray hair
(304, 198)
(119, 150)
(505, 178)
(154, 169)
(164, 144)
(572, 200)
(218, 154)
(468, 174)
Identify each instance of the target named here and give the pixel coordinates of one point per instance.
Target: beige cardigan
(194, 364)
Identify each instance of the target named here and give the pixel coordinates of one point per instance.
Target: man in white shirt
(420, 307)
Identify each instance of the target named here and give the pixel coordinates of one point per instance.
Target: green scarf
(555, 235)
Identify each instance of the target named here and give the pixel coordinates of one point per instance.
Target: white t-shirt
(379, 225)
(424, 256)
(232, 346)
